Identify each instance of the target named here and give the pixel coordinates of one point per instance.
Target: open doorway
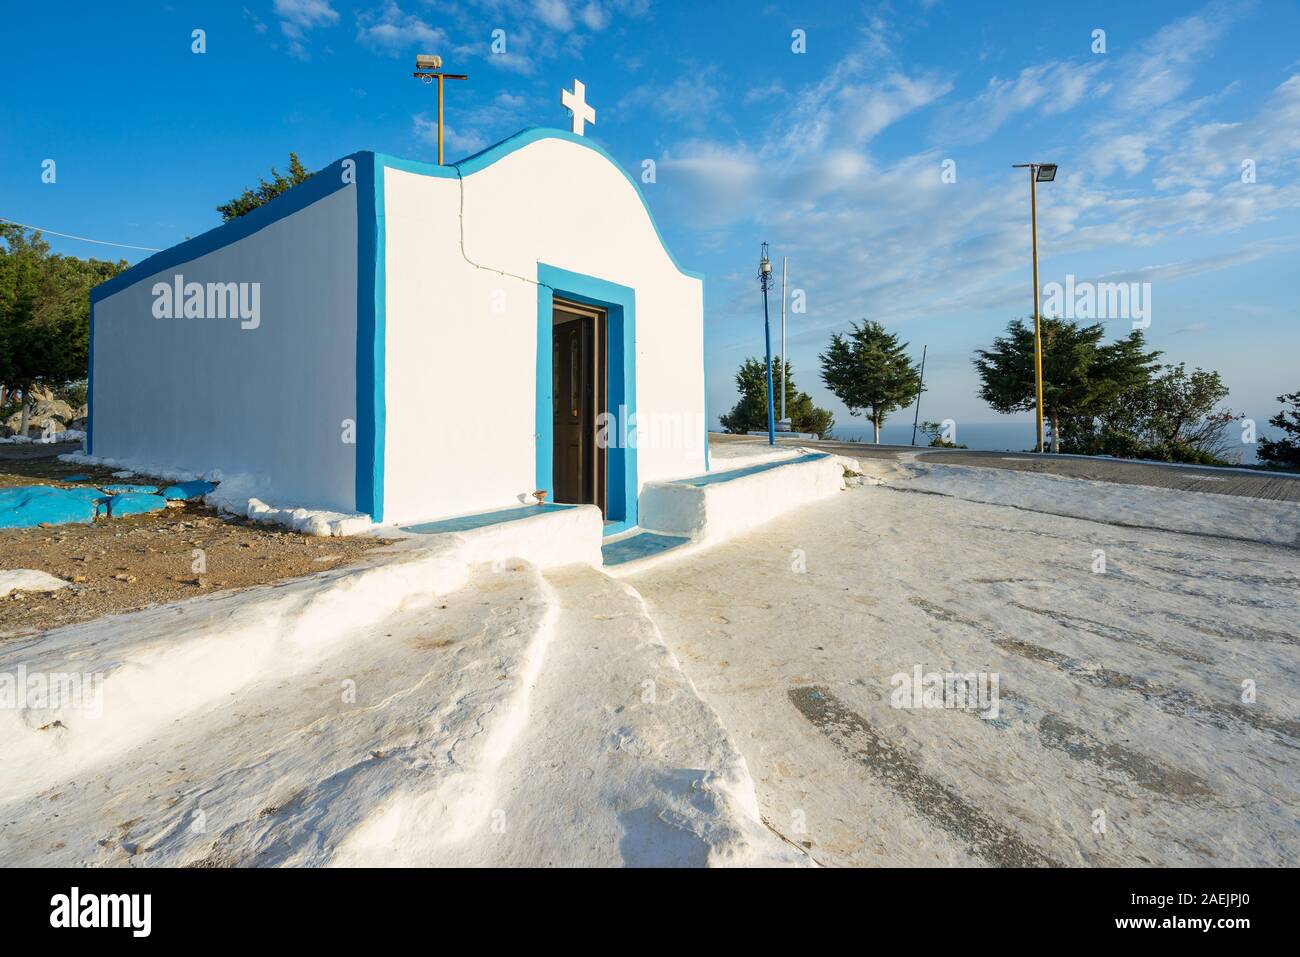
(579, 391)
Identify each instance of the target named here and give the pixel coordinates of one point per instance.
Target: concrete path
(1248, 482)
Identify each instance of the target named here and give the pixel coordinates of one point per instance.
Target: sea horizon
(981, 436)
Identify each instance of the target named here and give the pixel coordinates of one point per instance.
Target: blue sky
(833, 155)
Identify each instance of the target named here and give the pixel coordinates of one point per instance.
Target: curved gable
(487, 158)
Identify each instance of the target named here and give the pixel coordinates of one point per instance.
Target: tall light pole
(1038, 173)
(765, 280)
(427, 67)
(785, 365)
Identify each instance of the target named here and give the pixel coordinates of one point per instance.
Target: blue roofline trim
(485, 158)
(371, 380)
(324, 183)
(330, 179)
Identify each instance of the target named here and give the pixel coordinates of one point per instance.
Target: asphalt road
(36, 450)
(1248, 482)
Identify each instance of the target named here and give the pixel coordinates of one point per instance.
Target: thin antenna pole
(920, 387)
(785, 261)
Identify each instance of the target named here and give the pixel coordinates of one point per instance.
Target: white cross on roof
(576, 104)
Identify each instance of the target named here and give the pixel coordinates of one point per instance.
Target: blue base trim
(635, 547)
(466, 523)
(616, 528)
(619, 303)
(713, 478)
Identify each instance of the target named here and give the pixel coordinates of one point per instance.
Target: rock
(134, 503)
(188, 490)
(33, 505)
(51, 412)
(28, 579)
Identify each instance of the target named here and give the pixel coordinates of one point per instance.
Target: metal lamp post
(428, 68)
(783, 423)
(765, 280)
(1038, 173)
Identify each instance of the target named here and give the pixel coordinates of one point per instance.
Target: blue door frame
(619, 303)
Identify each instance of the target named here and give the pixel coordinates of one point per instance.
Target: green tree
(44, 312)
(870, 372)
(1173, 417)
(750, 413)
(1284, 452)
(250, 199)
(935, 431)
(1082, 377)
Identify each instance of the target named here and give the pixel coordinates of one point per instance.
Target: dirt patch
(121, 565)
(942, 806)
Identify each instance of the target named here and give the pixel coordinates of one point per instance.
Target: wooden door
(574, 416)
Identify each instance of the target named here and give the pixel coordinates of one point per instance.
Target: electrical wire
(84, 239)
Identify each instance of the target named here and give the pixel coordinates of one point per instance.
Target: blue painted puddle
(714, 478)
(640, 545)
(466, 523)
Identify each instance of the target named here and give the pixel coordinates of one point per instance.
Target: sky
(871, 144)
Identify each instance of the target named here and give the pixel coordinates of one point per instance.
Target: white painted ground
(727, 707)
(508, 717)
(1121, 692)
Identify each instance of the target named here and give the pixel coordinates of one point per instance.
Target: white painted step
(719, 505)
(621, 762)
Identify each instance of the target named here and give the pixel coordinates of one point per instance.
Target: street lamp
(765, 281)
(783, 423)
(1038, 173)
(427, 68)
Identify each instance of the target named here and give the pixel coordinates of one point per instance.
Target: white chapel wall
(198, 394)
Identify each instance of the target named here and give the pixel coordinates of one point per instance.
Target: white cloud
(298, 17)
(691, 100)
(1050, 88)
(887, 238)
(1213, 152)
(391, 30)
(555, 14)
(476, 127)
(1163, 67)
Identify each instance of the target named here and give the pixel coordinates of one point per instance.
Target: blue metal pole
(767, 335)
